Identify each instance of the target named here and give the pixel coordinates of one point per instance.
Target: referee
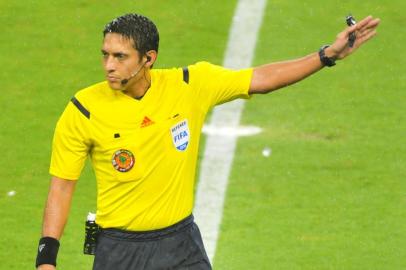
(141, 129)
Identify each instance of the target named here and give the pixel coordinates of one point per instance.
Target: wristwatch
(326, 61)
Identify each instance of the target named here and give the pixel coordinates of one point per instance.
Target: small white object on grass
(11, 193)
(266, 152)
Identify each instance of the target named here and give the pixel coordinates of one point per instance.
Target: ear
(150, 58)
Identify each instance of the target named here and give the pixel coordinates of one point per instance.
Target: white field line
(219, 150)
(228, 131)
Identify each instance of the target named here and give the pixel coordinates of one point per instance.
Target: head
(130, 46)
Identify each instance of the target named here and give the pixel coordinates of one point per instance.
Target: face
(120, 59)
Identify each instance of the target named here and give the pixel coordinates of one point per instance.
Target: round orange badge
(123, 160)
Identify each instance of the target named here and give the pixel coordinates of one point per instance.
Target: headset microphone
(125, 81)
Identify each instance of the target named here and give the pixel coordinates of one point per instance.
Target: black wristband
(326, 61)
(47, 251)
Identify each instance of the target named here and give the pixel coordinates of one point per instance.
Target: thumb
(350, 29)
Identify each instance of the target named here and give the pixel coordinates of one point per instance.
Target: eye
(120, 56)
(104, 54)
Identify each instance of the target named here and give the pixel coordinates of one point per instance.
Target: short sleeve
(70, 145)
(215, 84)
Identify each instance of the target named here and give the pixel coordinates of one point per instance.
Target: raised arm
(55, 216)
(274, 76)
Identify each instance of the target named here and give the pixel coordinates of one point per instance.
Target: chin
(115, 85)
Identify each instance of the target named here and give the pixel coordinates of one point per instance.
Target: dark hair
(141, 30)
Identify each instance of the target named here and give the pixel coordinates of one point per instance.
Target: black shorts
(179, 246)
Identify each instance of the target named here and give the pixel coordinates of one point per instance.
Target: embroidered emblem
(180, 135)
(146, 122)
(123, 160)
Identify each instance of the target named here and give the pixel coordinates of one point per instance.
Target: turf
(331, 195)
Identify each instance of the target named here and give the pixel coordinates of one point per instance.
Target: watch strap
(326, 61)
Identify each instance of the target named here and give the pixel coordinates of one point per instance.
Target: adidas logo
(41, 247)
(146, 122)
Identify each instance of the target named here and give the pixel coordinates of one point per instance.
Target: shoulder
(166, 74)
(203, 66)
(182, 73)
(204, 70)
(94, 92)
(84, 100)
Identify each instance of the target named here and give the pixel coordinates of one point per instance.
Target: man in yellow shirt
(141, 129)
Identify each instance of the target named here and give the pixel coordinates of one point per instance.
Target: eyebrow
(115, 54)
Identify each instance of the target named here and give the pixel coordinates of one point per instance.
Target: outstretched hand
(364, 30)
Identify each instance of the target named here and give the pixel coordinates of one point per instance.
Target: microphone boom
(125, 81)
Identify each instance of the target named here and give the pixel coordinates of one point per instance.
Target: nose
(109, 64)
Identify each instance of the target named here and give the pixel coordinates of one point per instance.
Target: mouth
(112, 79)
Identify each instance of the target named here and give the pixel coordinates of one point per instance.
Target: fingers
(366, 33)
(364, 30)
(369, 36)
(359, 28)
(374, 23)
(350, 29)
(364, 22)
(368, 23)
(368, 28)
(366, 36)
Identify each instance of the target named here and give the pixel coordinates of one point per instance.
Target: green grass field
(332, 194)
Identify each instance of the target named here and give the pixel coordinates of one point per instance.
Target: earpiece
(125, 81)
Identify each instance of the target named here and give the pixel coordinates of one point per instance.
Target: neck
(139, 86)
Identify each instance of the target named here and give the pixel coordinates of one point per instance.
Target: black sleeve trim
(80, 107)
(186, 75)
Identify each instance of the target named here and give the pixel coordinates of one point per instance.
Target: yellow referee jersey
(144, 151)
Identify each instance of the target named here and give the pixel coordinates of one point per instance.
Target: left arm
(274, 76)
